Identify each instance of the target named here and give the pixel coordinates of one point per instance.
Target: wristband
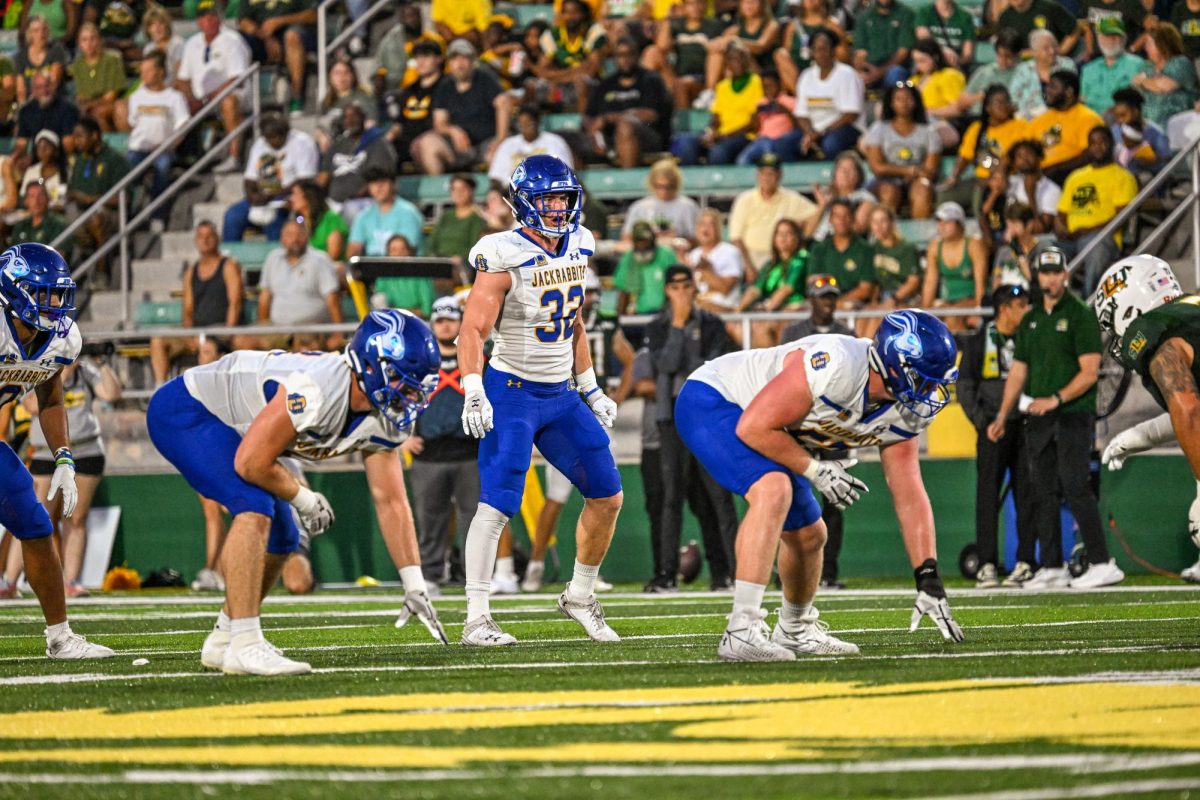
(62, 457)
(585, 382)
(305, 499)
(472, 382)
(928, 579)
(810, 472)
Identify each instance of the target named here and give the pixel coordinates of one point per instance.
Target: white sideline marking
(1098, 790)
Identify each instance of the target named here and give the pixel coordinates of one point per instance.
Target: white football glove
(417, 604)
(477, 411)
(1194, 517)
(316, 515)
(838, 486)
(64, 479)
(603, 406)
(1138, 439)
(938, 610)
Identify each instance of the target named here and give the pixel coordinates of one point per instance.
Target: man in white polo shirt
(829, 101)
(156, 111)
(212, 58)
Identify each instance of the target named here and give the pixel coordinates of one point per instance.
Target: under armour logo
(575, 255)
(512, 383)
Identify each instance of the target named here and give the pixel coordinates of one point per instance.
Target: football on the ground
(689, 562)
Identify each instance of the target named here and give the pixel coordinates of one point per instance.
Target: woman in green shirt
(327, 230)
(780, 283)
(99, 77)
(1169, 80)
(956, 267)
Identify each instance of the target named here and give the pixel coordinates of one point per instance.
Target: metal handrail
(1192, 150)
(323, 47)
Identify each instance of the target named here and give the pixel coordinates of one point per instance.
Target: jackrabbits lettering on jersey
(21, 371)
(534, 330)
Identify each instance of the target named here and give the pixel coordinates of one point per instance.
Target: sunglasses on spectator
(823, 282)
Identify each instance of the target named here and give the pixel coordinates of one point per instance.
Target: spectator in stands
(41, 55)
(1023, 17)
(884, 34)
(279, 157)
(298, 286)
(529, 140)
(1103, 76)
(49, 170)
(1091, 197)
(459, 227)
(496, 212)
(470, 115)
(98, 77)
(1131, 13)
(156, 113)
(717, 265)
(1185, 16)
(952, 27)
(756, 211)
(1063, 128)
(12, 170)
(214, 57)
(161, 38)
(573, 51)
(1154, 148)
(904, 152)
(846, 256)
(118, 21)
(985, 146)
(62, 18)
(773, 125)
(986, 360)
(794, 56)
(47, 110)
(282, 32)
(847, 183)
(629, 112)
(681, 338)
(1001, 71)
(940, 85)
(460, 19)
(829, 101)
(327, 229)
(1169, 80)
(410, 110)
(212, 295)
(97, 169)
(1012, 263)
(387, 216)
(757, 32)
(680, 51)
(640, 273)
(1027, 184)
(1030, 79)
(344, 90)
(410, 293)
(397, 48)
(897, 269)
(956, 266)
(355, 150)
(503, 54)
(671, 213)
(444, 456)
(780, 283)
(41, 225)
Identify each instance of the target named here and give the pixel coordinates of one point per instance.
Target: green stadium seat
(159, 313)
(526, 13)
(562, 122)
(691, 120)
(117, 141)
(434, 189)
(250, 255)
(985, 52)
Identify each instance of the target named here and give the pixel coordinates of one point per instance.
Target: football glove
(1194, 517)
(1139, 438)
(938, 610)
(417, 604)
(316, 515)
(601, 404)
(477, 411)
(64, 480)
(835, 484)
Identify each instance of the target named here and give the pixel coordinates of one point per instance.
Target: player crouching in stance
(225, 425)
(530, 286)
(38, 298)
(1155, 330)
(749, 416)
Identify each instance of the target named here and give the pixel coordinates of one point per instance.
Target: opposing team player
(225, 425)
(37, 341)
(1155, 331)
(529, 286)
(750, 416)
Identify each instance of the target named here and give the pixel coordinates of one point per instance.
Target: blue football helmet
(395, 359)
(917, 357)
(532, 181)
(32, 277)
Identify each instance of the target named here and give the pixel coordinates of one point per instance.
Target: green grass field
(1053, 695)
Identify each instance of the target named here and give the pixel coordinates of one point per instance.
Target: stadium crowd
(1017, 129)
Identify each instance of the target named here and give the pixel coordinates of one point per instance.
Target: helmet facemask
(399, 397)
(39, 309)
(533, 210)
(921, 394)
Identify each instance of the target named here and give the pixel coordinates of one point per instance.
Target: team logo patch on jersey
(1062, 325)
(296, 403)
(540, 260)
(819, 360)
(1137, 344)
(481, 263)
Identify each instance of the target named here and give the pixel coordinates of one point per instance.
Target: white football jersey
(837, 368)
(20, 371)
(237, 387)
(533, 334)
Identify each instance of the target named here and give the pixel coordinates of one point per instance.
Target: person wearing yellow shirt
(734, 104)
(984, 146)
(939, 83)
(1092, 196)
(1064, 126)
(461, 19)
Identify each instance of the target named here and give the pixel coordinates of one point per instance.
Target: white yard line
(1123, 788)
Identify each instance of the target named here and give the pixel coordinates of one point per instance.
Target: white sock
(505, 568)
(793, 614)
(245, 631)
(479, 558)
(747, 596)
(54, 632)
(412, 578)
(583, 582)
(223, 622)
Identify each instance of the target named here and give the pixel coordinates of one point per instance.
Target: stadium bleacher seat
(250, 255)
(525, 13)
(159, 313)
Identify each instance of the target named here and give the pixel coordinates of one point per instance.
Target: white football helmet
(1130, 288)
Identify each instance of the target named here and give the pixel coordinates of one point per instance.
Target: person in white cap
(956, 266)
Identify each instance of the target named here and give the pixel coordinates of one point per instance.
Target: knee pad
(489, 520)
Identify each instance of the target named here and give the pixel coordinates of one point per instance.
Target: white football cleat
(1049, 578)
(811, 636)
(533, 576)
(1192, 573)
(746, 639)
(73, 647)
(208, 580)
(504, 584)
(261, 658)
(212, 654)
(484, 632)
(987, 577)
(603, 585)
(1106, 573)
(1020, 575)
(590, 615)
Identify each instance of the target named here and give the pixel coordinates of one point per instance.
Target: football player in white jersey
(225, 425)
(37, 340)
(750, 416)
(527, 293)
